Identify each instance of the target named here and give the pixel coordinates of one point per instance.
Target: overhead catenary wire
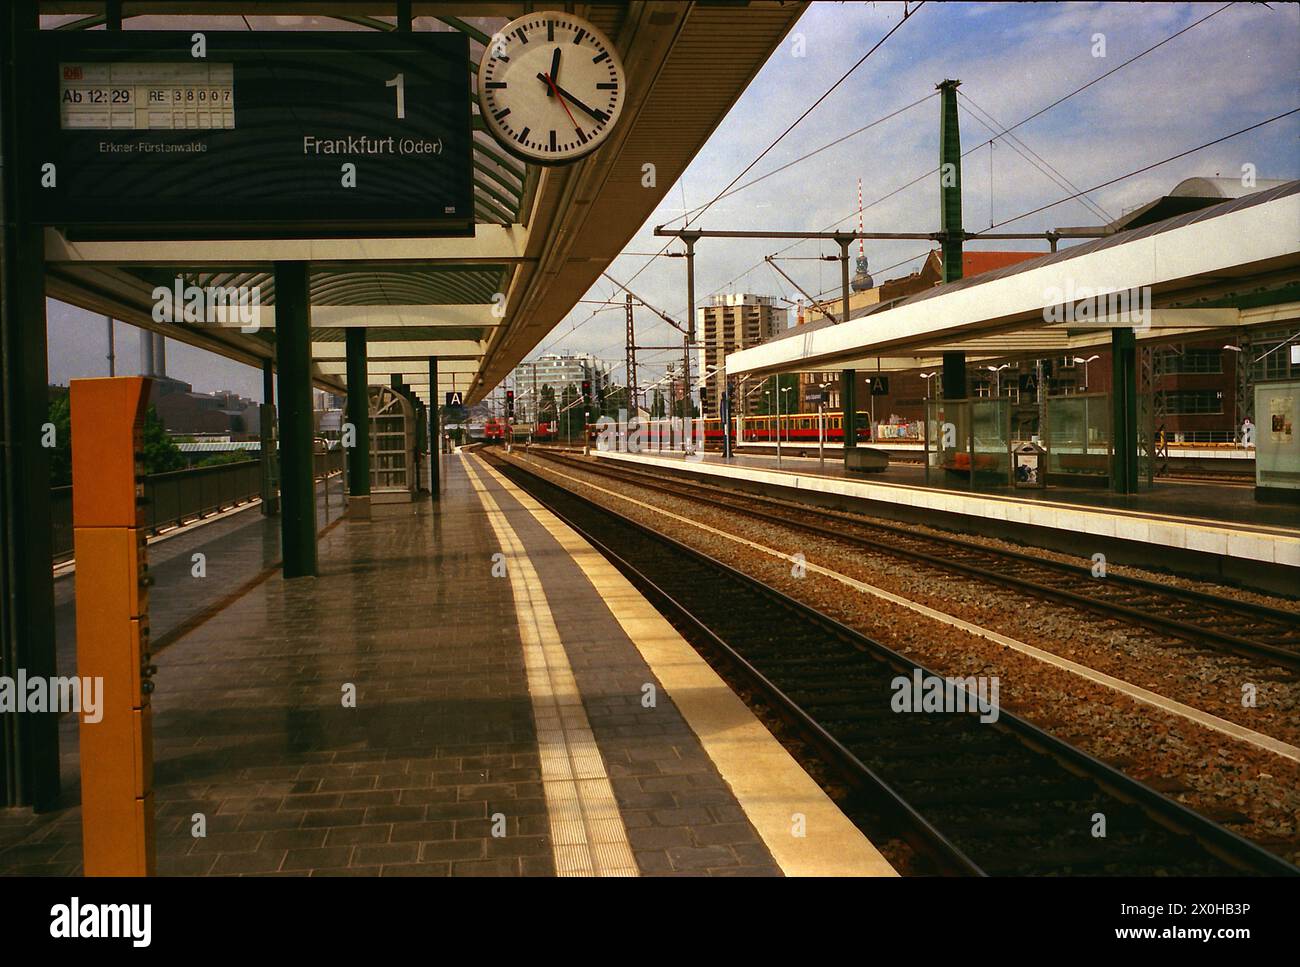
(1023, 121)
(907, 13)
(1029, 154)
(1145, 168)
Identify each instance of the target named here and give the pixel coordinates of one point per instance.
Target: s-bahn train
(793, 427)
(495, 429)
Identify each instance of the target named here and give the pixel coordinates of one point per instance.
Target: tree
(160, 453)
(566, 405)
(221, 459)
(547, 402)
(615, 400)
(60, 414)
(765, 405)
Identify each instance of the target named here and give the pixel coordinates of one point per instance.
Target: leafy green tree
(765, 404)
(546, 406)
(615, 400)
(160, 453)
(567, 398)
(60, 414)
(221, 459)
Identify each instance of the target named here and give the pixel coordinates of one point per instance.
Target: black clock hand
(598, 115)
(555, 71)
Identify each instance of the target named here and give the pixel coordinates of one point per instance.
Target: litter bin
(1030, 465)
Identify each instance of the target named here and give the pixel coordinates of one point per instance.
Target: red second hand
(560, 98)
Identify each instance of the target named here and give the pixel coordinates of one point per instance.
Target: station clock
(550, 87)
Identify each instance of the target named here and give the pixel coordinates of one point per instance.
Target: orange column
(117, 807)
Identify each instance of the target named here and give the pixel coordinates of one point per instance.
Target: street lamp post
(784, 390)
(821, 426)
(1080, 359)
(997, 377)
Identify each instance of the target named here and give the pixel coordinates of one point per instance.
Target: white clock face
(551, 87)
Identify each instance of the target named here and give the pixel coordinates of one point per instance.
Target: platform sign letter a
(454, 399)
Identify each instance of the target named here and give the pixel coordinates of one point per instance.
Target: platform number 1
(399, 82)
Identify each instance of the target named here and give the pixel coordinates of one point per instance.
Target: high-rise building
(558, 371)
(728, 324)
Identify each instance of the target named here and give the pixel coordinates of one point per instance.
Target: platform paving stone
(681, 817)
(251, 733)
(250, 729)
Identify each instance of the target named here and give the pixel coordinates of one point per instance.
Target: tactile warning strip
(587, 833)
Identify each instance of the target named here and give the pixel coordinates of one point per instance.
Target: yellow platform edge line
(579, 846)
(776, 794)
(1208, 720)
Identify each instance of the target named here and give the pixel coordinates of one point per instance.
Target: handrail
(178, 497)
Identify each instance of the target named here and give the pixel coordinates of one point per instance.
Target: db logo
(72, 72)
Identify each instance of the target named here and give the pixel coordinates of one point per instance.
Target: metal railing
(182, 496)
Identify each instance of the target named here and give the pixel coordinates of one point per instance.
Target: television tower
(862, 278)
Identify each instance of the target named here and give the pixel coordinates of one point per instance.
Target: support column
(1124, 465)
(29, 741)
(293, 363)
(951, 232)
(954, 376)
(688, 343)
(358, 415)
(435, 431)
(849, 405)
(270, 457)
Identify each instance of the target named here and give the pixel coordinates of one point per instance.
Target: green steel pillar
(954, 376)
(435, 432)
(950, 181)
(297, 432)
(358, 415)
(849, 404)
(1123, 353)
(270, 489)
(950, 226)
(29, 741)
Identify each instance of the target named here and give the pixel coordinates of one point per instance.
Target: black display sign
(879, 385)
(215, 134)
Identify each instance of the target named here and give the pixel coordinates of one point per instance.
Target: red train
(494, 431)
(794, 428)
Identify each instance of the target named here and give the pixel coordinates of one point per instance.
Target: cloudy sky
(1237, 68)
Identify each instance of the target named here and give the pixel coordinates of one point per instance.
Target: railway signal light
(510, 402)
(586, 392)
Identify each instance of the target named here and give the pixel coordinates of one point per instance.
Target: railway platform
(1204, 530)
(467, 688)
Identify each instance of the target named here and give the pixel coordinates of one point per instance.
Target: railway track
(1242, 627)
(976, 797)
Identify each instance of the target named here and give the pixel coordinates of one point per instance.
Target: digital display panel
(142, 134)
(146, 97)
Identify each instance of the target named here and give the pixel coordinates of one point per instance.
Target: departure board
(144, 134)
(146, 97)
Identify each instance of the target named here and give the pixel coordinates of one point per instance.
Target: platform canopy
(542, 235)
(1229, 266)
